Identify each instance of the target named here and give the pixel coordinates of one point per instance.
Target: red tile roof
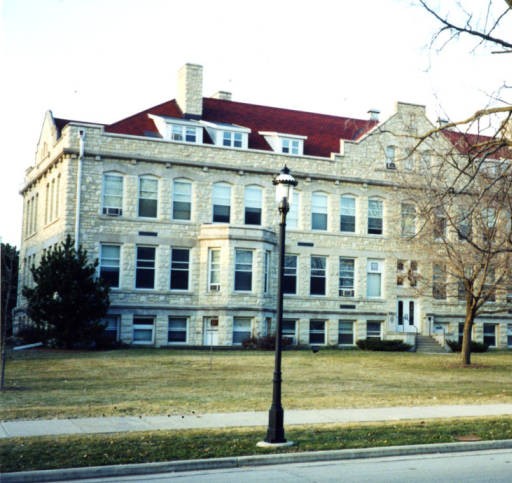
(478, 145)
(323, 131)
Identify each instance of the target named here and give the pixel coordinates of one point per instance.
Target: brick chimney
(190, 90)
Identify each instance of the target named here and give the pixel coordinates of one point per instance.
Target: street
(478, 466)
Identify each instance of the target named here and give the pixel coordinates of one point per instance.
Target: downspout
(79, 187)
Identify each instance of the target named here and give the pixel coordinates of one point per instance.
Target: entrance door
(406, 315)
(211, 331)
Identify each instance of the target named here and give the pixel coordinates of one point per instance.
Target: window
(177, 330)
(509, 335)
(109, 264)
(292, 218)
(243, 270)
(112, 324)
(183, 133)
(290, 146)
(408, 219)
(252, 204)
(490, 335)
(290, 274)
(214, 270)
(374, 279)
(289, 330)
(266, 274)
(461, 290)
(489, 219)
(390, 157)
(439, 225)
(241, 329)
(112, 199)
(317, 331)
(318, 276)
(145, 268)
(373, 330)
(464, 227)
(348, 214)
(179, 268)
(143, 329)
(221, 200)
(318, 211)
(346, 281)
(181, 199)
(232, 139)
(148, 197)
(375, 217)
(461, 332)
(346, 332)
(439, 282)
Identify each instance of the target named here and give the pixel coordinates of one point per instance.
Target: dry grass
(43, 384)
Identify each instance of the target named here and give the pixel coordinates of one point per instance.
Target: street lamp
(284, 183)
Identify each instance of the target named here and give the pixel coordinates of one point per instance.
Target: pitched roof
(478, 145)
(323, 131)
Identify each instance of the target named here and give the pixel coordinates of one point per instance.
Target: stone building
(177, 203)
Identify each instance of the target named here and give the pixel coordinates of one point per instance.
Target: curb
(246, 461)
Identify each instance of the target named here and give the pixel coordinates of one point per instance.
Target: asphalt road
(493, 466)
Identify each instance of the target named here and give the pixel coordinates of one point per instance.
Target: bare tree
(465, 198)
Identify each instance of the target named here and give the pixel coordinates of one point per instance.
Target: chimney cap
(223, 95)
(374, 114)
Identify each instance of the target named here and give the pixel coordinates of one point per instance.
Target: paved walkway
(42, 427)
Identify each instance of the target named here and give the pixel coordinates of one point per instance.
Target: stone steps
(428, 345)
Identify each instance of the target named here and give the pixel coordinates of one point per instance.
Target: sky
(103, 60)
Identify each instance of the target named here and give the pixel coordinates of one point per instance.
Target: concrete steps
(428, 345)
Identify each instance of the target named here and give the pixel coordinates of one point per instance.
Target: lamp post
(284, 183)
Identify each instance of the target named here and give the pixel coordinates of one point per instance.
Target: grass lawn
(21, 454)
(48, 384)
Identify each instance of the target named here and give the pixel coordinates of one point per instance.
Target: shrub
(265, 342)
(383, 345)
(456, 346)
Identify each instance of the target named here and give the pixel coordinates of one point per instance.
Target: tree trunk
(466, 339)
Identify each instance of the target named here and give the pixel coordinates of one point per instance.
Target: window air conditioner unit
(346, 293)
(390, 165)
(214, 287)
(112, 211)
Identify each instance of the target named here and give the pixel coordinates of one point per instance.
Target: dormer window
(290, 146)
(227, 135)
(285, 143)
(232, 139)
(178, 130)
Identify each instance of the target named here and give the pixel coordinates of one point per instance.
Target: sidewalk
(10, 429)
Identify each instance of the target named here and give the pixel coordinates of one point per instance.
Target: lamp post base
(264, 444)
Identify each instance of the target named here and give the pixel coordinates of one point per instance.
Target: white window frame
(494, 334)
(221, 197)
(372, 334)
(290, 334)
(179, 266)
(240, 327)
(348, 211)
(407, 219)
(292, 218)
(181, 193)
(213, 270)
(509, 335)
(110, 262)
(266, 271)
(343, 331)
(253, 199)
(143, 264)
(111, 203)
(232, 139)
(319, 206)
(170, 330)
(345, 290)
(291, 271)
(146, 194)
(243, 267)
(374, 267)
(317, 273)
(143, 327)
(317, 331)
(375, 212)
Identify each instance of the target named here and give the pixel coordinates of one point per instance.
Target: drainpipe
(79, 187)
